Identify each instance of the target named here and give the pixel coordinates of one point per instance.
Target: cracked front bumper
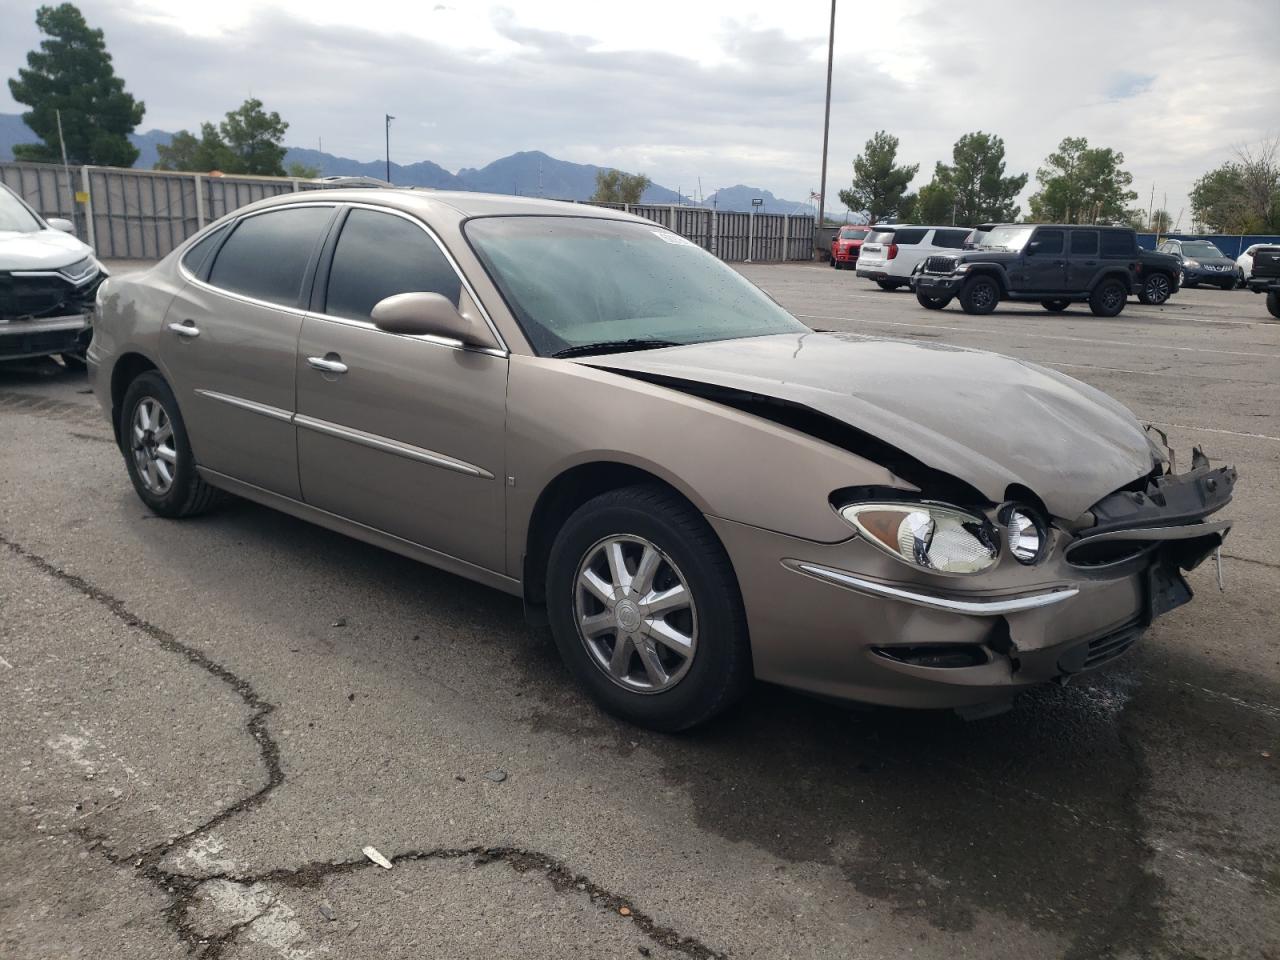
(39, 338)
(831, 619)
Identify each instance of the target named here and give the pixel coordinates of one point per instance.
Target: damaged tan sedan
(586, 410)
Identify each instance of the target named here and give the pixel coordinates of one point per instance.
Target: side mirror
(59, 223)
(427, 314)
(1032, 247)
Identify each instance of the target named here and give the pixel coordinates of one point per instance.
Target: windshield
(1200, 248)
(14, 216)
(576, 281)
(1006, 238)
(853, 233)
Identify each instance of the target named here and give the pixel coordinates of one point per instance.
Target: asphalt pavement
(203, 723)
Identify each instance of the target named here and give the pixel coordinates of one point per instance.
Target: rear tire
(1055, 306)
(1273, 303)
(888, 285)
(1155, 290)
(157, 454)
(717, 670)
(1108, 298)
(932, 303)
(979, 295)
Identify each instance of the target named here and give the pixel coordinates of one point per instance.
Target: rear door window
(198, 253)
(908, 236)
(266, 256)
(880, 236)
(379, 255)
(1084, 243)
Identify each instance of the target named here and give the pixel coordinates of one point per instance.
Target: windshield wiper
(613, 346)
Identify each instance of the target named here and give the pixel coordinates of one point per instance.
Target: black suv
(1055, 264)
(1266, 277)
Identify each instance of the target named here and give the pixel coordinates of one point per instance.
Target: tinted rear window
(1117, 243)
(268, 253)
(880, 236)
(199, 251)
(950, 239)
(379, 255)
(909, 235)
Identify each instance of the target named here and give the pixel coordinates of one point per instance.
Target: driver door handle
(328, 365)
(186, 328)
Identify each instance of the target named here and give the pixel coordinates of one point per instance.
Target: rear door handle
(187, 328)
(329, 363)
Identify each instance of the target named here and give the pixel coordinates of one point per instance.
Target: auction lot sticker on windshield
(675, 238)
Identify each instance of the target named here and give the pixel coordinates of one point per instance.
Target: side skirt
(387, 541)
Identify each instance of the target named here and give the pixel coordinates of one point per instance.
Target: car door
(231, 339)
(403, 434)
(1082, 258)
(1044, 262)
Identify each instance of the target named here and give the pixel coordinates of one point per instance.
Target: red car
(845, 246)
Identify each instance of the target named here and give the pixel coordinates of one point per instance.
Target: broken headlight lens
(927, 535)
(1026, 535)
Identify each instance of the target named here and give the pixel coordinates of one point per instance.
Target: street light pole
(389, 119)
(826, 120)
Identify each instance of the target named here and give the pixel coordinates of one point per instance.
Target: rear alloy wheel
(645, 609)
(157, 454)
(1108, 297)
(1273, 303)
(1055, 306)
(979, 295)
(931, 303)
(1156, 290)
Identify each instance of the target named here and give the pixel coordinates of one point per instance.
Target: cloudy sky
(729, 92)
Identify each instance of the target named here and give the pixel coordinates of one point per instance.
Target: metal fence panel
(144, 214)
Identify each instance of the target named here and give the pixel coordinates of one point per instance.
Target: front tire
(153, 438)
(1108, 297)
(1273, 303)
(931, 303)
(979, 296)
(1155, 290)
(645, 609)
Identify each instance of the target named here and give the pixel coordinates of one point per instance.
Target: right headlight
(930, 536)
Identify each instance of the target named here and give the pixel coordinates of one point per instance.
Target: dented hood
(986, 419)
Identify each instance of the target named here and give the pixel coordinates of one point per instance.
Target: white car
(890, 253)
(48, 279)
(1245, 260)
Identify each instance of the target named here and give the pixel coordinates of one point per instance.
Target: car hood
(986, 419)
(42, 250)
(985, 256)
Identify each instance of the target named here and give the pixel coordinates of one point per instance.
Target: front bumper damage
(48, 311)
(855, 624)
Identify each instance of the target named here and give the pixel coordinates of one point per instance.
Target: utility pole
(66, 172)
(826, 119)
(389, 119)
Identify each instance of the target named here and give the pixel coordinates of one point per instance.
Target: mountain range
(528, 173)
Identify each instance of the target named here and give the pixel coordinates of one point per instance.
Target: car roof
(447, 204)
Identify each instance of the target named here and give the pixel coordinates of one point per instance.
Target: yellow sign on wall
(82, 197)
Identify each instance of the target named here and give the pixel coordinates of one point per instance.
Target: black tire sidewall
(1273, 303)
(1146, 296)
(173, 502)
(966, 295)
(1096, 298)
(716, 675)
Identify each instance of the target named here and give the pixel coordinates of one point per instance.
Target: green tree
(614, 186)
(879, 186)
(302, 171)
(936, 201)
(975, 182)
(1082, 184)
(1242, 195)
(254, 138)
(1160, 222)
(72, 73)
(195, 154)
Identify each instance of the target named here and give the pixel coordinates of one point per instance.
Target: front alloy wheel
(153, 439)
(151, 442)
(1156, 290)
(635, 614)
(645, 608)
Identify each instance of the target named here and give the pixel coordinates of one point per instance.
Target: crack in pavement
(183, 888)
